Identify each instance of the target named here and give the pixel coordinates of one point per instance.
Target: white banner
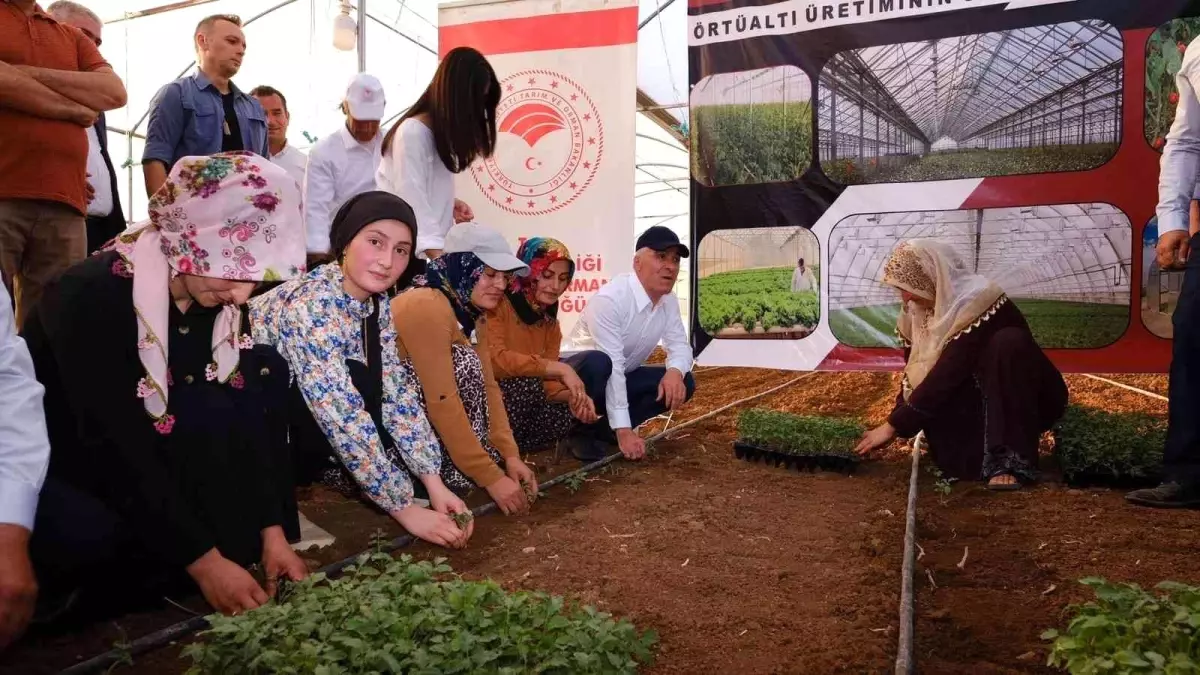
(564, 161)
(798, 16)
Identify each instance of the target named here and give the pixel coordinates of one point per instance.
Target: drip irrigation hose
(158, 638)
(1122, 385)
(904, 649)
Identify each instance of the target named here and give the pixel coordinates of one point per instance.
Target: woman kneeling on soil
(157, 404)
(356, 416)
(975, 381)
(443, 334)
(542, 395)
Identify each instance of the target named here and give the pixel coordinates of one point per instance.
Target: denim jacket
(187, 118)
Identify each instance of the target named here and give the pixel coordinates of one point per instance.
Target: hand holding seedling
(279, 561)
(444, 501)
(519, 471)
(18, 587)
(672, 392)
(632, 445)
(876, 438)
(431, 526)
(508, 496)
(226, 585)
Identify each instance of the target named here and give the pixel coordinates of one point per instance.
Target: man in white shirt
(290, 158)
(1180, 167)
(24, 458)
(343, 164)
(105, 218)
(627, 319)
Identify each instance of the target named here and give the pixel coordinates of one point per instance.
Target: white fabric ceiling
(291, 48)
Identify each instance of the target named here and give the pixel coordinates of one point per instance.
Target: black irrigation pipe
(905, 664)
(158, 638)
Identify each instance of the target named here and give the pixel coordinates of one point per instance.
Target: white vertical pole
(362, 36)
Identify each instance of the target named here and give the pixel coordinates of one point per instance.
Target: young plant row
(799, 435)
(753, 299)
(752, 143)
(388, 615)
(1099, 447)
(1129, 630)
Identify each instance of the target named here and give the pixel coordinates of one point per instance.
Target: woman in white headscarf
(158, 405)
(975, 380)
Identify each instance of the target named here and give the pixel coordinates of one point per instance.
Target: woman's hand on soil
(226, 585)
(525, 477)
(431, 526)
(876, 438)
(444, 501)
(509, 496)
(279, 560)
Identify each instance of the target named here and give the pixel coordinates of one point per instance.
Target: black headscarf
(369, 207)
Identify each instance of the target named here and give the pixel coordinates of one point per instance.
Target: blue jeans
(641, 388)
(1181, 457)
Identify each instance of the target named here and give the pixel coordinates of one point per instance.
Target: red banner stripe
(573, 30)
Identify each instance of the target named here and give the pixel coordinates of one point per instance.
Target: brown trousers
(39, 240)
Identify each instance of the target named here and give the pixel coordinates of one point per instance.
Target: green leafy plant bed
(1129, 630)
(797, 442)
(1095, 447)
(398, 616)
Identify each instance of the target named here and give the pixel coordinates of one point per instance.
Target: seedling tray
(807, 462)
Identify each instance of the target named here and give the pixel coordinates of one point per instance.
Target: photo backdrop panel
(984, 108)
(1067, 267)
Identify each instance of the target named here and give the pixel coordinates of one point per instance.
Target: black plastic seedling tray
(807, 462)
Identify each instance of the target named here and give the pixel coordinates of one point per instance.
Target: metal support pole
(362, 36)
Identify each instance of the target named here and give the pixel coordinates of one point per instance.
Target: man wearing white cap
(343, 164)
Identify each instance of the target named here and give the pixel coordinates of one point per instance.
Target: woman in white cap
(450, 126)
(442, 332)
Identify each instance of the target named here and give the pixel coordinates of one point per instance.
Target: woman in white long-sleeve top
(450, 126)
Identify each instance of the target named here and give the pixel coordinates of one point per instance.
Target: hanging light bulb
(345, 30)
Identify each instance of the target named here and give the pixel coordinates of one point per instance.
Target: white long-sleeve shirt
(339, 167)
(626, 326)
(1180, 166)
(294, 161)
(413, 171)
(24, 446)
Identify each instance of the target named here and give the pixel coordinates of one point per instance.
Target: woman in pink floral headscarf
(158, 406)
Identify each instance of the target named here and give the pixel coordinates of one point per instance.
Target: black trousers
(1181, 459)
(641, 390)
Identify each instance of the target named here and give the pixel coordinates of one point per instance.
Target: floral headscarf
(538, 253)
(455, 275)
(229, 216)
(960, 299)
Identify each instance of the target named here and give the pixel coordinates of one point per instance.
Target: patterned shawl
(933, 271)
(455, 275)
(228, 216)
(538, 253)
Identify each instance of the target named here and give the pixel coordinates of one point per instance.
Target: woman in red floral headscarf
(543, 396)
(159, 407)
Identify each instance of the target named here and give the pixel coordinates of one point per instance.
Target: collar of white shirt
(640, 297)
(351, 142)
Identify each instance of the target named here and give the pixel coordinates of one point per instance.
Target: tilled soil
(746, 568)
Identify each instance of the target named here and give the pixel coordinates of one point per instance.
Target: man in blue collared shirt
(204, 114)
(1176, 187)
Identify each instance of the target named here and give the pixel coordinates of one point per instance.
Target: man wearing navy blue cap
(627, 319)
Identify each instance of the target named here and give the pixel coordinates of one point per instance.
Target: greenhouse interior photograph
(581, 337)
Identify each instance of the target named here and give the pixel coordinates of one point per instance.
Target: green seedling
(799, 435)
(389, 615)
(462, 518)
(575, 481)
(530, 493)
(1096, 443)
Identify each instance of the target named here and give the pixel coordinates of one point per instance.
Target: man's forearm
(21, 92)
(101, 90)
(155, 173)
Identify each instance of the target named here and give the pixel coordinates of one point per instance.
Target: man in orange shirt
(53, 84)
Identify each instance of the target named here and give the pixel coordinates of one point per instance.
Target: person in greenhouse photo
(975, 381)
(802, 278)
(164, 457)
(451, 125)
(543, 396)
(442, 334)
(356, 420)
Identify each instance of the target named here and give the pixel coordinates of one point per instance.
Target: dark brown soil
(750, 569)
